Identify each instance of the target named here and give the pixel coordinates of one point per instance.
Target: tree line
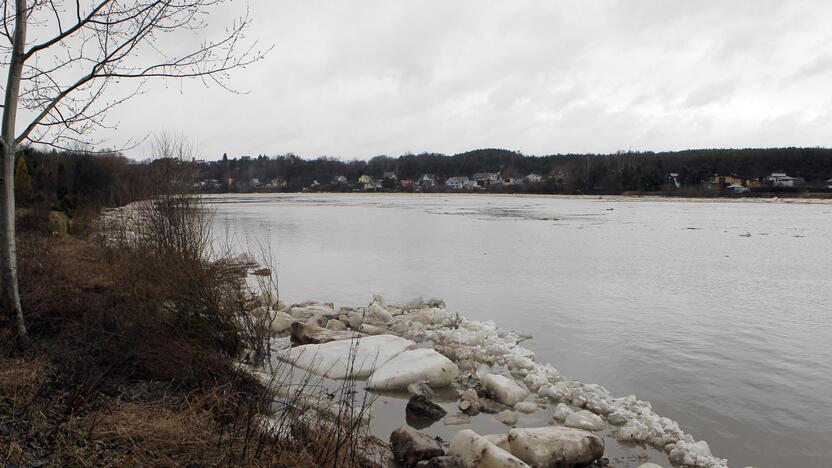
(563, 173)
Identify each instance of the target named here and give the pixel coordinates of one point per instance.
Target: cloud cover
(363, 78)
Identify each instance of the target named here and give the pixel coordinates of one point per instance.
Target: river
(717, 312)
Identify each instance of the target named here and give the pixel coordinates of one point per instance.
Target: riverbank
(482, 378)
(134, 352)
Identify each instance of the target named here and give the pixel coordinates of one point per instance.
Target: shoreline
(611, 198)
(480, 349)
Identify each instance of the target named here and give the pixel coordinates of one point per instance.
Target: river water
(718, 313)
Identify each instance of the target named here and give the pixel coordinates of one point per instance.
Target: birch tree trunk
(8, 148)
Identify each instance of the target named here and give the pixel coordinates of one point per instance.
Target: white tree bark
(8, 147)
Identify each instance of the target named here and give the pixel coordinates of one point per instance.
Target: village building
(389, 175)
(534, 178)
(427, 180)
(781, 179)
(456, 182)
(339, 180)
(485, 179)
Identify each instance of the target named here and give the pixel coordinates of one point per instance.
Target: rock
(441, 462)
(372, 329)
(305, 333)
(506, 417)
(555, 446)
(526, 407)
(419, 365)
(411, 446)
(500, 440)
(562, 411)
(477, 452)
(584, 419)
(457, 420)
(649, 465)
(504, 389)
(419, 407)
(335, 324)
(420, 388)
(345, 358)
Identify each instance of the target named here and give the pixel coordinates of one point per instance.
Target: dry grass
(136, 335)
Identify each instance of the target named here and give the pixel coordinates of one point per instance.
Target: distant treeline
(73, 180)
(565, 173)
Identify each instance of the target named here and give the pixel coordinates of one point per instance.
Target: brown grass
(136, 335)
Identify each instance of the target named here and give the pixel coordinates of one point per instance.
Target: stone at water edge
(419, 407)
(476, 451)
(555, 446)
(584, 419)
(419, 365)
(410, 446)
(504, 389)
(506, 417)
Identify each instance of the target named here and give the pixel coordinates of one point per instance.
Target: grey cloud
(356, 79)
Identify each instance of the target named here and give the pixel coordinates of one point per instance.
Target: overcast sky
(355, 79)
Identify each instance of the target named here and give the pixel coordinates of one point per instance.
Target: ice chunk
(333, 359)
(555, 446)
(504, 389)
(409, 367)
(584, 419)
(477, 451)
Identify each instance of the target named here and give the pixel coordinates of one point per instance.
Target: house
(512, 180)
(484, 179)
(427, 180)
(276, 183)
(369, 182)
(456, 182)
(673, 179)
(470, 184)
(389, 175)
(534, 178)
(406, 182)
(339, 180)
(732, 179)
(255, 182)
(780, 179)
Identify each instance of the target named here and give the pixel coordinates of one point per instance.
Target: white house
(780, 179)
(427, 180)
(534, 178)
(339, 180)
(456, 182)
(470, 184)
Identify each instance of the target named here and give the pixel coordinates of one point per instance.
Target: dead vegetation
(137, 334)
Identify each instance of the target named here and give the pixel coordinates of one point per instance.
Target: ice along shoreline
(470, 355)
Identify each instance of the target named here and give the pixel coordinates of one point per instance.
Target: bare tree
(62, 58)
